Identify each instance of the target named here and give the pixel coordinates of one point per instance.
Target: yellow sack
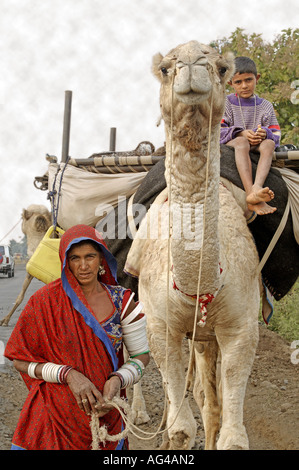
(45, 263)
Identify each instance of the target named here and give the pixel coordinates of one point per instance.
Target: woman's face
(84, 261)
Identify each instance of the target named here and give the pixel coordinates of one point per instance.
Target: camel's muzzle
(192, 81)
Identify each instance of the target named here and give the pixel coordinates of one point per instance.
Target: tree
(278, 64)
(19, 247)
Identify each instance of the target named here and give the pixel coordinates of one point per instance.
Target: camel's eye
(164, 70)
(222, 71)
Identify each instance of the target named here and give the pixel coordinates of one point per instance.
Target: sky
(102, 52)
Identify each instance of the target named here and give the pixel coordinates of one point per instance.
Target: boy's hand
(261, 133)
(254, 138)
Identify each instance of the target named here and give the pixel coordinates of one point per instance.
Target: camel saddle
(281, 269)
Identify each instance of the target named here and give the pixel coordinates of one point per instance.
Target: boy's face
(244, 84)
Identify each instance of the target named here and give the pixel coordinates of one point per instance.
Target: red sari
(58, 325)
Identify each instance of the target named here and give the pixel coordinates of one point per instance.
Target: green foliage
(285, 318)
(278, 64)
(19, 247)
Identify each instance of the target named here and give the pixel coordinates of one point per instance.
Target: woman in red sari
(68, 347)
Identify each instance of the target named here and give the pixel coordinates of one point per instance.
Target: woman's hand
(88, 397)
(111, 389)
(84, 391)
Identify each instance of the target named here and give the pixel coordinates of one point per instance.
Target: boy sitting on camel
(249, 121)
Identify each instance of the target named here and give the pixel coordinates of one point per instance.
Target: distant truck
(7, 264)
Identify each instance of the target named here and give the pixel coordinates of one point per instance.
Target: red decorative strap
(203, 301)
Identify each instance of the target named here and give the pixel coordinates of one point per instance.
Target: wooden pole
(288, 155)
(112, 139)
(66, 126)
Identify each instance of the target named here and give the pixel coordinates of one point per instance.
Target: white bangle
(138, 364)
(31, 370)
(134, 332)
(51, 372)
(130, 373)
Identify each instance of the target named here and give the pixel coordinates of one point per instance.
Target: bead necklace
(240, 106)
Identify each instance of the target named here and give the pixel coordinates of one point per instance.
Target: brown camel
(36, 220)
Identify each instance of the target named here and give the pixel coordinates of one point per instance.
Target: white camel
(36, 220)
(216, 269)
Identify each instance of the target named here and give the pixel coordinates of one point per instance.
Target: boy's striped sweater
(254, 111)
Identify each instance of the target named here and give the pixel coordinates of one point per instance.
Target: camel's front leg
(238, 353)
(181, 425)
(139, 412)
(27, 281)
(205, 389)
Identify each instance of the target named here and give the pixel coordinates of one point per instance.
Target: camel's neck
(195, 208)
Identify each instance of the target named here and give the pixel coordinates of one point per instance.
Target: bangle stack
(134, 332)
(31, 370)
(130, 373)
(63, 374)
(52, 373)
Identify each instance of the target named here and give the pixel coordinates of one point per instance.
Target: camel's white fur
(198, 72)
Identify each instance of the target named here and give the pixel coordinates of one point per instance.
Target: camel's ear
(230, 58)
(41, 223)
(26, 214)
(155, 65)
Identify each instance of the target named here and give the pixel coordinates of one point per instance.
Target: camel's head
(36, 220)
(194, 71)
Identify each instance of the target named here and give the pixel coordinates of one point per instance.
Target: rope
(204, 211)
(168, 243)
(11, 229)
(100, 434)
(52, 194)
(200, 269)
(275, 237)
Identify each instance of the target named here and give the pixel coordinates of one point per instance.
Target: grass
(285, 318)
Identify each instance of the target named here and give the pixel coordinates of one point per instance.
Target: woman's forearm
(22, 366)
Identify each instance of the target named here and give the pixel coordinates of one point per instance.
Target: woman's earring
(101, 270)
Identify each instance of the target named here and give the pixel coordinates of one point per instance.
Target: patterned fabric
(58, 325)
(248, 113)
(112, 324)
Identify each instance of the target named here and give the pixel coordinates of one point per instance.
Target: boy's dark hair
(245, 65)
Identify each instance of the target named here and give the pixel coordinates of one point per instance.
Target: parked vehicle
(7, 264)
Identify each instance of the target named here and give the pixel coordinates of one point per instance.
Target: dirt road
(271, 411)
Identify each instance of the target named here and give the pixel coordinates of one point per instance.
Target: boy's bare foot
(258, 198)
(258, 194)
(262, 208)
